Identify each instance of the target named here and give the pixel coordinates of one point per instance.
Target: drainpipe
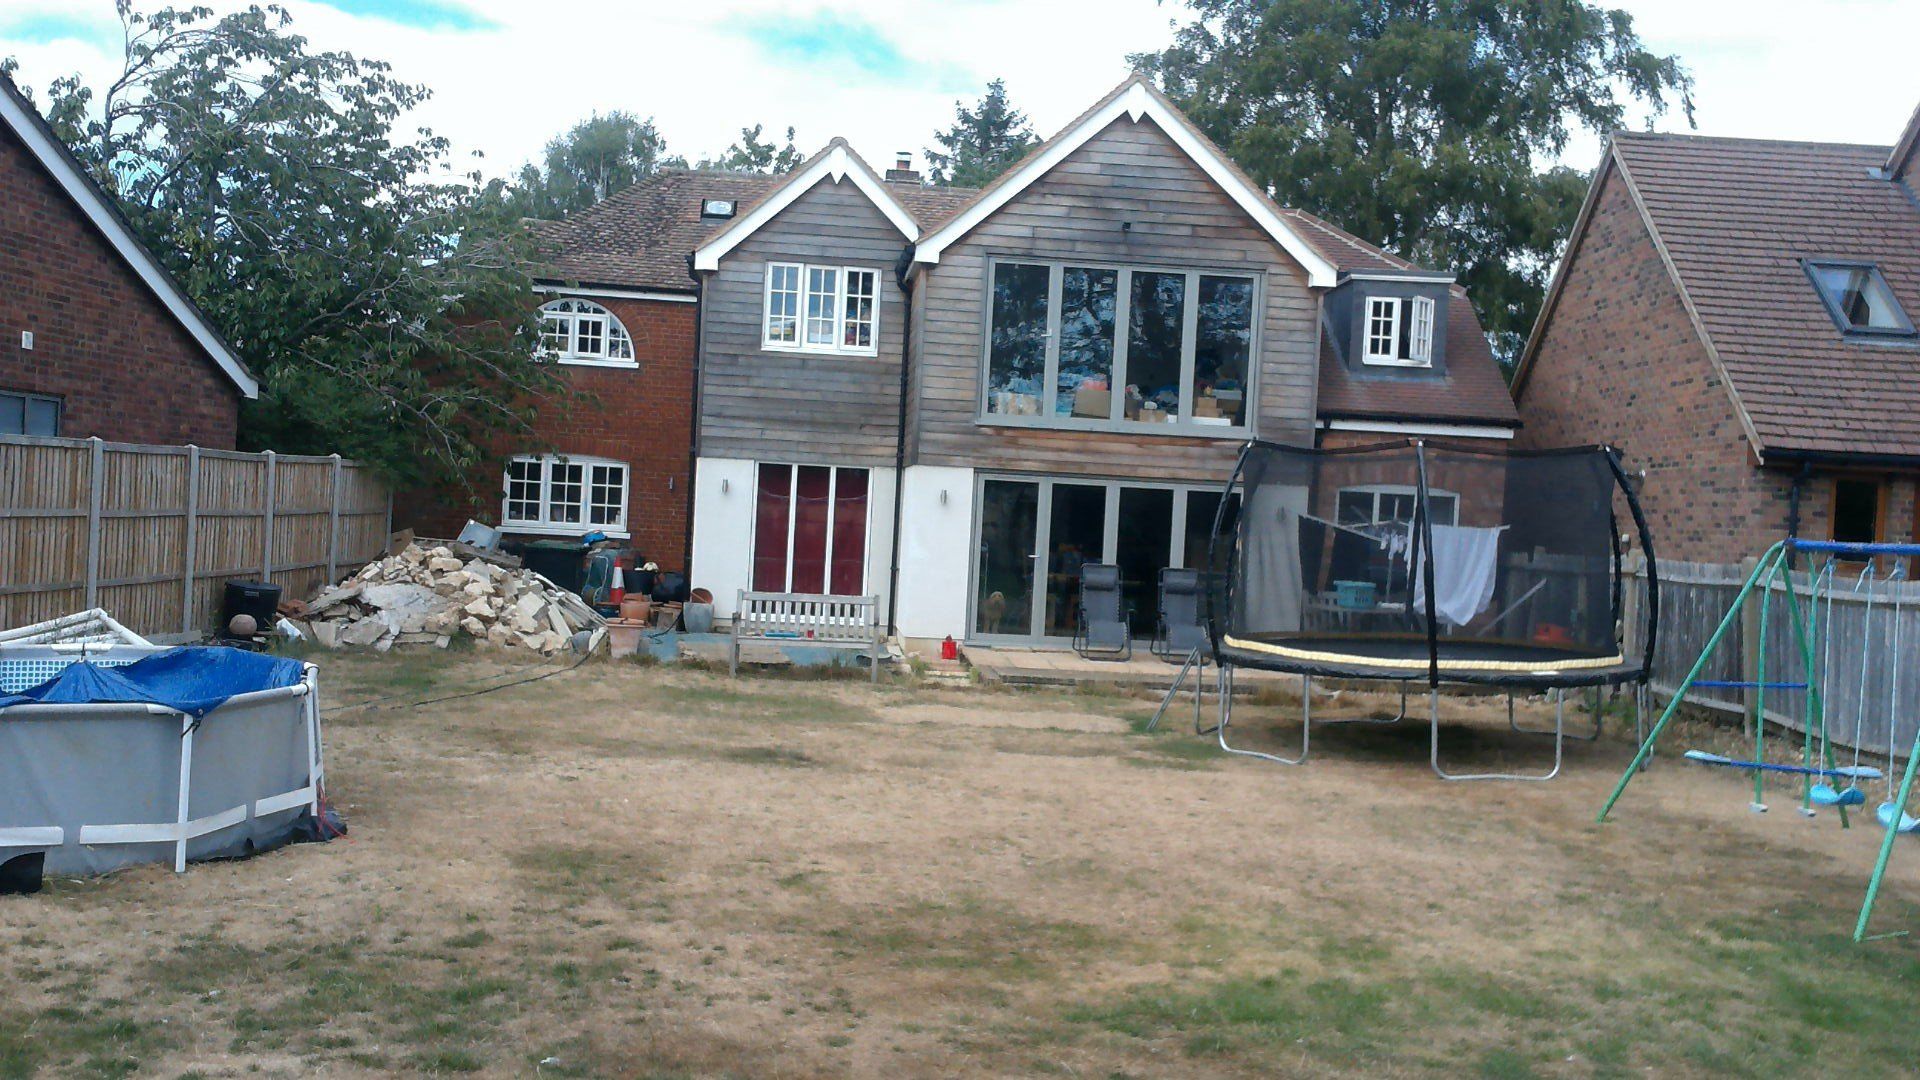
(902, 268)
(1793, 498)
(693, 442)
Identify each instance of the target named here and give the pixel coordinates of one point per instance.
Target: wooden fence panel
(1867, 686)
(152, 533)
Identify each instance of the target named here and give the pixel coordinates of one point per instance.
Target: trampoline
(1418, 561)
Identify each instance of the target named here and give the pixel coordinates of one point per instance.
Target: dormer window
(1858, 300)
(583, 332)
(1399, 331)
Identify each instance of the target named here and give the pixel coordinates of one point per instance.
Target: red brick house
(95, 337)
(1737, 316)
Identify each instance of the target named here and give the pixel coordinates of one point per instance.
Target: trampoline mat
(1404, 656)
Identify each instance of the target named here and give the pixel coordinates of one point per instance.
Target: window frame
(27, 399)
(837, 305)
(1377, 490)
(546, 524)
(567, 309)
(833, 506)
(1408, 313)
(1812, 268)
(1188, 425)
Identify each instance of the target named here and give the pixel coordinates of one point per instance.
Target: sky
(507, 75)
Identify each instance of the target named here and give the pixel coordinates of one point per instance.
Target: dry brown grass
(629, 871)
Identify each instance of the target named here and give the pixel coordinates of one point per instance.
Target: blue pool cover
(194, 681)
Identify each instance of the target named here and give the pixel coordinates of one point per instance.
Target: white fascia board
(91, 201)
(1407, 279)
(1135, 103)
(618, 294)
(1394, 427)
(836, 163)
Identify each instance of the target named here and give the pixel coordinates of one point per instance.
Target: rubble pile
(426, 595)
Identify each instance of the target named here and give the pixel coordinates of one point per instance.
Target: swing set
(1823, 779)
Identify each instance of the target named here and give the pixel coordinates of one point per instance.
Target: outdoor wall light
(943, 496)
(724, 486)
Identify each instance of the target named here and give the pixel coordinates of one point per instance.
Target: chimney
(903, 169)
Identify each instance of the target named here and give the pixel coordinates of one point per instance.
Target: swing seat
(1828, 795)
(1850, 772)
(1907, 824)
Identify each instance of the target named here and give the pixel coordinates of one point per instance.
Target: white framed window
(1399, 332)
(1420, 340)
(1383, 504)
(783, 305)
(822, 309)
(565, 494)
(583, 332)
(1383, 329)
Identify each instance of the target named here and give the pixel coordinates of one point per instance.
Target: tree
(590, 161)
(382, 299)
(1423, 125)
(983, 142)
(752, 155)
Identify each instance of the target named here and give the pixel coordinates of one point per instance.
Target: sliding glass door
(1034, 536)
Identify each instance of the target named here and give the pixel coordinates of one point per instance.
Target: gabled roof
(1904, 162)
(836, 161)
(1734, 220)
(1134, 98)
(640, 237)
(99, 208)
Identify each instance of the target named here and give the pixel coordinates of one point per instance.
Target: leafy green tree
(590, 161)
(984, 141)
(382, 298)
(753, 155)
(1427, 126)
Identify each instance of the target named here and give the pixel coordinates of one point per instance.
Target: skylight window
(1858, 299)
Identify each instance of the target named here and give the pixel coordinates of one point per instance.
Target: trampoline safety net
(1421, 560)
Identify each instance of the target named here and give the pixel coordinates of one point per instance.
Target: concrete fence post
(96, 491)
(333, 527)
(192, 555)
(266, 510)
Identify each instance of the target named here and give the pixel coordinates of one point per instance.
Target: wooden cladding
(151, 533)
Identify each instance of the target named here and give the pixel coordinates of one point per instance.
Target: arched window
(583, 332)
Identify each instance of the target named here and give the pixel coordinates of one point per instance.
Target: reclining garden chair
(1105, 628)
(1180, 629)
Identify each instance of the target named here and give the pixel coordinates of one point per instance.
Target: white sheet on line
(1465, 562)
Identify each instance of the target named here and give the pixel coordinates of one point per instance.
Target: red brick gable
(121, 363)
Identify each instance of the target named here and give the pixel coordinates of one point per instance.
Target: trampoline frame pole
(1765, 566)
(1374, 719)
(1593, 736)
(1306, 719)
(1559, 743)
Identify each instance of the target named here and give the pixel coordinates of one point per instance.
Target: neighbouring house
(1737, 317)
(954, 399)
(96, 339)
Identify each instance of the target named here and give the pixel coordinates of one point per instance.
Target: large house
(95, 338)
(1737, 316)
(952, 399)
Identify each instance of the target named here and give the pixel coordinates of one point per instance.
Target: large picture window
(583, 332)
(810, 530)
(822, 309)
(563, 494)
(1107, 346)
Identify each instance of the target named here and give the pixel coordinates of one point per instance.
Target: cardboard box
(1093, 403)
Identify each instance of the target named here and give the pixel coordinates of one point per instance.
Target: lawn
(626, 870)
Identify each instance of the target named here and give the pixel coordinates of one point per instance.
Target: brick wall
(643, 417)
(121, 364)
(1620, 363)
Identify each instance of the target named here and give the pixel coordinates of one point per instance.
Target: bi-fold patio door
(1033, 537)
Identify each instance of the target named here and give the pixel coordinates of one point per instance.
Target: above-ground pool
(122, 754)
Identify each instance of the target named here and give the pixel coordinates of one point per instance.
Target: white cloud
(1836, 70)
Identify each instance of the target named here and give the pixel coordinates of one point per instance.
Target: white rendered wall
(880, 535)
(936, 551)
(722, 529)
